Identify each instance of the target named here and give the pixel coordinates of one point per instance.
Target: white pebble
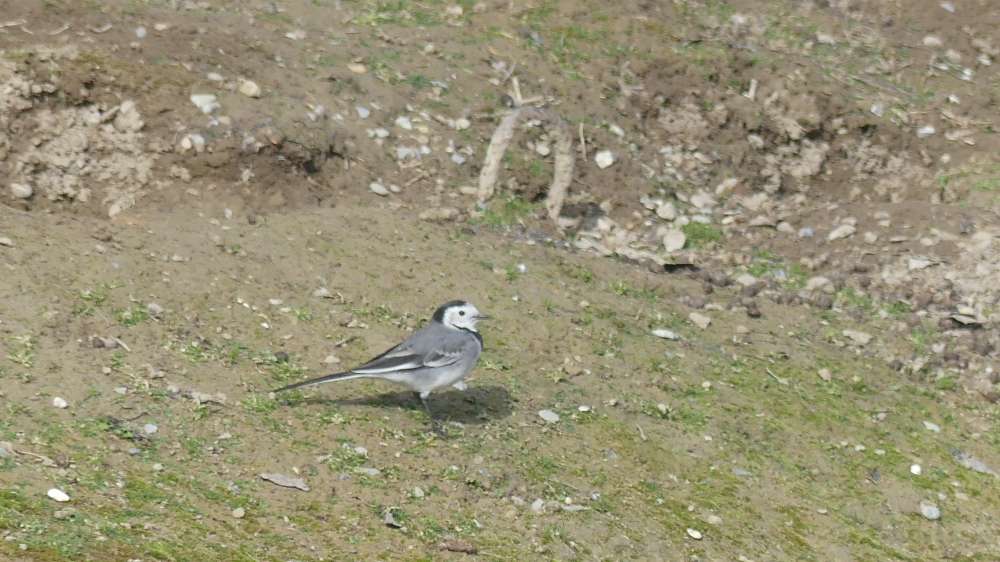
(694, 534)
(239, 513)
(932, 426)
(150, 428)
(378, 189)
(462, 123)
(915, 469)
(604, 158)
(363, 112)
(806, 232)
(543, 149)
(21, 190)
(714, 520)
(205, 102)
(250, 89)
(58, 495)
(140, 32)
(930, 511)
(161, 27)
(418, 492)
(404, 122)
(666, 334)
(925, 131)
(458, 158)
(583, 408)
(549, 416)
(59, 402)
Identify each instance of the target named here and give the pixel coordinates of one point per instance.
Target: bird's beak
(483, 317)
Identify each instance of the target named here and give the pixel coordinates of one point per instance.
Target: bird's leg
(430, 416)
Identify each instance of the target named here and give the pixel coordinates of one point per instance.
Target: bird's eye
(461, 313)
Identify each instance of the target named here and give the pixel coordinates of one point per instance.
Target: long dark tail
(320, 380)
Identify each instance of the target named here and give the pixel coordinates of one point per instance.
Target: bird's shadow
(475, 405)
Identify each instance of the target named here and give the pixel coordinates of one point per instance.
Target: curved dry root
(564, 157)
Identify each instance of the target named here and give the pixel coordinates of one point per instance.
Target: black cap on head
(439, 313)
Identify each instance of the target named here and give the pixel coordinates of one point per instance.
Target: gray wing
(426, 348)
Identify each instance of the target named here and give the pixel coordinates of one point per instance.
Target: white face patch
(462, 316)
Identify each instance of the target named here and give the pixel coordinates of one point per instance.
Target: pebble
(357, 68)
(785, 227)
(403, 122)
(543, 149)
(150, 428)
(694, 534)
(363, 112)
(154, 309)
(870, 237)
(806, 232)
(141, 32)
(58, 495)
(121, 390)
(931, 41)
(948, 7)
(418, 492)
(674, 240)
(842, 231)
(548, 415)
(59, 402)
(583, 408)
(604, 158)
(932, 426)
(161, 27)
(915, 469)
(538, 506)
(818, 283)
(930, 511)
(714, 520)
(666, 334)
(250, 89)
(825, 375)
(239, 513)
(368, 471)
(859, 338)
(378, 189)
(205, 102)
(458, 158)
(925, 131)
(699, 320)
(158, 467)
(662, 408)
(667, 211)
(21, 190)
(462, 123)
(134, 450)
(6, 242)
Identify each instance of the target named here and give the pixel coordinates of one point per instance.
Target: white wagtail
(436, 356)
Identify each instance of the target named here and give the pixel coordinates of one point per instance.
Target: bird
(436, 356)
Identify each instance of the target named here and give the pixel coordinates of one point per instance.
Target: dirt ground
(765, 317)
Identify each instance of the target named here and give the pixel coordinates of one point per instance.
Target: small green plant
(131, 316)
(90, 301)
(504, 213)
(700, 234)
(24, 353)
(117, 360)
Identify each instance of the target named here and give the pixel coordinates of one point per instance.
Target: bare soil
(832, 167)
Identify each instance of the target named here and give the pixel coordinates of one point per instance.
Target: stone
(21, 190)
(250, 89)
(667, 211)
(604, 158)
(842, 231)
(699, 320)
(674, 240)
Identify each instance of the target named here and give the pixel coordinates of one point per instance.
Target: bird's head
(459, 315)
